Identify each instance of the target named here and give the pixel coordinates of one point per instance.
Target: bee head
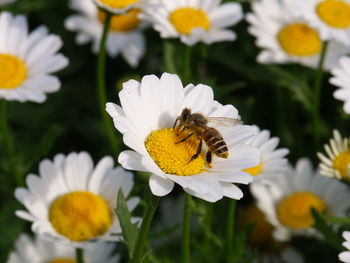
(186, 113)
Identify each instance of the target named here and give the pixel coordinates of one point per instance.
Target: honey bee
(195, 124)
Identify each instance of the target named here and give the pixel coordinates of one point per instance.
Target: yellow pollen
(256, 170)
(174, 158)
(62, 260)
(80, 216)
(341, 163)
(13, 71)
(299, 39)
(119, 4)
(335, 13)
(186, 19)
(294, 211)
(122, 23)
(262, 232)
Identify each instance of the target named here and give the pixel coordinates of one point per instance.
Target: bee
(195, 124)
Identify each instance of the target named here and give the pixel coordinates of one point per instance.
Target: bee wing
(223, 121)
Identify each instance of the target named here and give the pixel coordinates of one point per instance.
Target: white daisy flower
(27, 60)
(73, 202)
(5, 2)
(273, 161)
(345, 256)
(337, 161)
(330, 17)
(146, 119)
(341, 79)
(40, 250)
(125, 36)
(120, 6)
(194, 20)
(287, 200)
(286, 38)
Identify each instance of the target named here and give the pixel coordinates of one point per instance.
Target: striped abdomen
(215, 142)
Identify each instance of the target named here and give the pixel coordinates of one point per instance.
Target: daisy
(120, 6)
(40, 250)
(337, 162)
(345, 256)
(125, 36)
(286, 38)
(5, 2)
(73, 202)
(330, 17)
(287, 200)
(146, 117)
(194, 20)
(27, 60)
(273, 161)
(260, 238)
(341, 79)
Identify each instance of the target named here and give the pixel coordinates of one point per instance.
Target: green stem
(230, 228)
(317, 95)
(168, 57)
(186, 227)
(186, 76)
(101, 85)
(143, 232)
(336, 220)
(79, 253)
(8, 143)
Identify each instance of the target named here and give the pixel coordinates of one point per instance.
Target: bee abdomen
(219, 147)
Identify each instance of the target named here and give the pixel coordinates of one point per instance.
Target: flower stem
(79, 253)
(168, 57)
(186, 227)
(101, 85)
(143, 232)
(186, 76)
(317, 95)
(230, 228)
(8, 143)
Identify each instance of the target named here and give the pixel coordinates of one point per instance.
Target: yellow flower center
(341, 163)
(335, 13)
(186, 19)
(256, 170)
(62, 260)
(262, 232)
(12, 71)
(118, 3)
(174, 158)
(122, 23)
(299, 39)
(80, 216)
(294, 211)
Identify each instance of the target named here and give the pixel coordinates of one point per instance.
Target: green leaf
(129, 230)
(330, 237)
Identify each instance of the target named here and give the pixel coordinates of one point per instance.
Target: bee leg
(199, 150)
(177, 119)
(208, 158)
(185, 139)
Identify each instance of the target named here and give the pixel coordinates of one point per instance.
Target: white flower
(27, 60)
(330, 17)
(73, 202)
(337, 162)
(149, 110)
(120, 6)
(341, 79)
(345, 256)
(125, 36)
(194, 20)
(287, 200)
(287, 38)
(41, 250)
(5, 2)
(273, 161)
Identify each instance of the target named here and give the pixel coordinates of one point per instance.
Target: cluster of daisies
(71, 202)
(299, 31)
